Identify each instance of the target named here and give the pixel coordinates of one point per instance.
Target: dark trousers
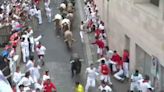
(74, 71)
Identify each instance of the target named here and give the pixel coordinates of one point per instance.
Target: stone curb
(89, 56)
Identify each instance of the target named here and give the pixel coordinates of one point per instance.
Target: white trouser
(32, 47)
(99, 51)
(118, 74)
(126, 69)
(114, 69)
(49, 17)
(91, 82)
(134, 85)
(105, 78)
(40, 19)
(25, 52)
(82, 36)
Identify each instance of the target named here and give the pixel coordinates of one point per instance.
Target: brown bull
(68, 35)
(70, 8)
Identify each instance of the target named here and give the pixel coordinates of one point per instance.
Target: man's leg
(118, 75)
(132, 86)
(126, 69)
(72, 71)
(24, 55)
(87, 85)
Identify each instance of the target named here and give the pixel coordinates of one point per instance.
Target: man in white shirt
(47, 3)
(31, 38)
(48, 13)
(26, 81)
(17, 75)
(25, 49)
(40, 49)
(82, 31)
(30, 63)
(91, 77)
(104, 87)
(32, 11)
(35, 74)
(135, 78)
(39, 15)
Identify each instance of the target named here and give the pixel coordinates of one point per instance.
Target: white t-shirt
(26, 36)
(136, 78)
(41, 50)
(45, 77)
(17, 76)
(24, 45)
(26, 81)
(29, 65)
(106, 88)
(32, 12)
(35, 74)
(91, 73)
(48, 11)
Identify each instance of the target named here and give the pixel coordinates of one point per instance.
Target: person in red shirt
(48, 86)
(119, 75)
(100, 46)
(97, 32)
(115, 58)
(105, 72)
(126, 62)
(120, 63)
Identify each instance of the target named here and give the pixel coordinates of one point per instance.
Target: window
(155, 2)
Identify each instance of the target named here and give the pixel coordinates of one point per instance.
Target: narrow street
(57, 55)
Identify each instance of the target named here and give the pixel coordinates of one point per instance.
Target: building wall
(141, 22)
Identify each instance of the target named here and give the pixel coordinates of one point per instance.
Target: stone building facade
(138, 26)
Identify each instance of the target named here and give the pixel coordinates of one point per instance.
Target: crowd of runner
(19, 14)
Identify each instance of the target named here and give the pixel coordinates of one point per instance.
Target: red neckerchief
(145, 81)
